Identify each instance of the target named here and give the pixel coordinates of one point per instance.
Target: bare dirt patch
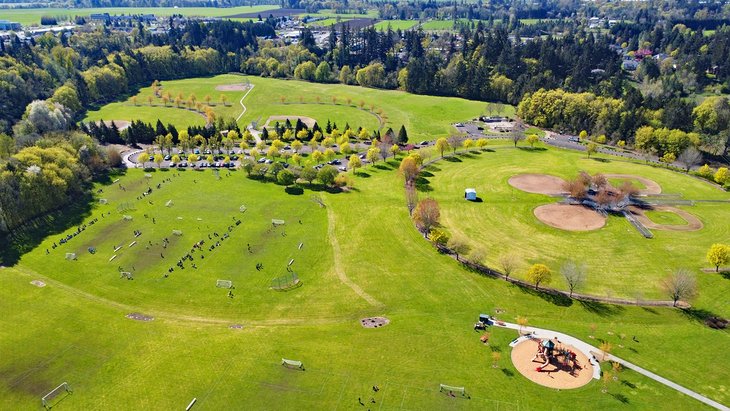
(309, 121)
(233, 87)
(121, 124)
(38, 283)
(555, 374)
(693, 223)
(570, 217)
(651, 186)
(374, 322)
(139, 317)
(538, 184)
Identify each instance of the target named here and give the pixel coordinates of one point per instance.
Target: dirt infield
(233, 87)
(651, 186)
(693, 223)
(538, 183)
(309, 121)
(570, 217)
(554, 375)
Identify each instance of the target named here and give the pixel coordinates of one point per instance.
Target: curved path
(589, 350)
(127, 162)
(338, 262)
(241, 103)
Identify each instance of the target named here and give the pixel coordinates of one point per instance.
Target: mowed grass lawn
(29, 17)
(620, 261)
(425, 117)
(74, 329)
(395, 24)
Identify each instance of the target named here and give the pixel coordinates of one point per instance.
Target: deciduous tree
(539, 274)
(574, 274)
(681, 285)
(442, 144)
(718, 254)
(426, 215)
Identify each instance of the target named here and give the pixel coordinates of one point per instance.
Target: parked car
(262, 160)
(167, 157)
(574, 139)
(424, 143)
(342, 168)
(172, 164)
(269, 161)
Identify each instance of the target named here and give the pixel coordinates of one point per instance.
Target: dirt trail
(338, 262)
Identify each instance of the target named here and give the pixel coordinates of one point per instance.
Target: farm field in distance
(28, 17)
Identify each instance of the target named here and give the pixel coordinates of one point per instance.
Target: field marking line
(338, 262)
(241, 103)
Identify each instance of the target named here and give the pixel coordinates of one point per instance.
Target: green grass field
(620, 261)
(371, 13)
(28, 17)
(75, 329)
(395, 24)
(665, 217)
(326, 22)
(425, 117)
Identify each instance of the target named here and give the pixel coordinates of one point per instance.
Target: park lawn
(395, 24)
(180, 117)
(189, 351)
(326, 22)
(425, 117)
(371, 13)
(617, 182)
(665, 217)
(534, 130)
(530, 22)
(441, 25)
(619, 259)
(28, 17)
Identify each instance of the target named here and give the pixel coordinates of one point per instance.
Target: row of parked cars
(204, 164)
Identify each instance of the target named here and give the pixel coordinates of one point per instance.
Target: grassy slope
(619, 259)
(425, 117)
(430, 300)
(29, 17)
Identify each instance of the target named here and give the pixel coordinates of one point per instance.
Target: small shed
(470, 194)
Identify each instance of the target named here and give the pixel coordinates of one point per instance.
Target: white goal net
(55, 395)
(452, 390)
(70, 256)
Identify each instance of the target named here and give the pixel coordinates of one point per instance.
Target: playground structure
(549, 362)
(551, 353)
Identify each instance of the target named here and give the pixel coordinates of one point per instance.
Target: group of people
(71, 236)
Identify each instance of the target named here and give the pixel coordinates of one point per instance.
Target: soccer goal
(70, 256)
(224, 284)
(55, 395)
(127, 217)
(292, 364)
(286, 282)
(242, 208)
(169, 203)
(103, 201)
(276, 222)
(451, 390)
(177, 232)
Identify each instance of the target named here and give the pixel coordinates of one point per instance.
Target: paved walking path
(588, 350)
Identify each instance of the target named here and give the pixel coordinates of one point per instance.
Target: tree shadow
(600, 159)
(453, 159)
(650, 310)
(466, 155)
(495, 348)
(29, 235)
(423, 184)
(628, 384)
(725, 274)
(621, 398)
(554, 298)
(431, 167)
(362, 174)
(382, 167)
(602, 309)
(488, 150)
(507, 372)
(425, 173)
(532, 149)
(294, 191)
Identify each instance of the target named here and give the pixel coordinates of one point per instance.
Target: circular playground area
(567, 368)
(570, 217)
(538, 183)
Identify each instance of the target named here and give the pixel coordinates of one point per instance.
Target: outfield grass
(74, 329)
(616, 182)
(425, 117)
(395, 24)
(28, 17)
(620, 261)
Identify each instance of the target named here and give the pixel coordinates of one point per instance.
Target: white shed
(470, 194)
